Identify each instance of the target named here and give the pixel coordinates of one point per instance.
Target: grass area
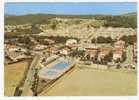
(13, 73)
(89, 82)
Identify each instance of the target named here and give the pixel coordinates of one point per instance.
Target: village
(96, 45)
(52, 53)
(90, 52)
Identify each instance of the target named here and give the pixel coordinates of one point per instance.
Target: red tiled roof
(118, 52)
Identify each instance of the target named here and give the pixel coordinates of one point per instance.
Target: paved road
(30, 76)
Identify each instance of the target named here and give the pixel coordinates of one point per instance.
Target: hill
(126, 20)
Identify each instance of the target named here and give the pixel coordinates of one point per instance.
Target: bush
(102, 39)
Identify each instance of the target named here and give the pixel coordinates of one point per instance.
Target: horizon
(104, 8)
(67, 14)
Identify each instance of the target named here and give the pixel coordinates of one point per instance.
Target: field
(78, 82)
(91, 82)
(13, 73)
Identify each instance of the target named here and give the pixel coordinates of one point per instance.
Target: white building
(64, 52)
(71, 42)
(40, 47)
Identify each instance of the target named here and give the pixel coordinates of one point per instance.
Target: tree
(35, 29)
(54, 24)
(102, 39)
(124, 57)
(108, 58)
(129, 40)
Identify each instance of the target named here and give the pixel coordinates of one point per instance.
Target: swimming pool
(61, 65)
(55, 70)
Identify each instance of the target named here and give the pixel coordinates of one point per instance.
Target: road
(30, 75)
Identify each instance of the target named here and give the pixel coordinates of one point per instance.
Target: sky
(70, 8)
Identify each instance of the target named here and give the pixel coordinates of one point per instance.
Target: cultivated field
(13, 73)
(91, 82)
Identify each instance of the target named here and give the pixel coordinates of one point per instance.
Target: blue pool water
(56, 68)
(51, 73)
(61, 65)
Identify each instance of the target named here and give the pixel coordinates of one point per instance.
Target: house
(118, 50)
(91, 50)
(72, 43)
(16, 55)
(40, 47)
(65, 51)
(118, 54)
(54, 50)
(103, 54)
(12, 48)
(119, 44)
